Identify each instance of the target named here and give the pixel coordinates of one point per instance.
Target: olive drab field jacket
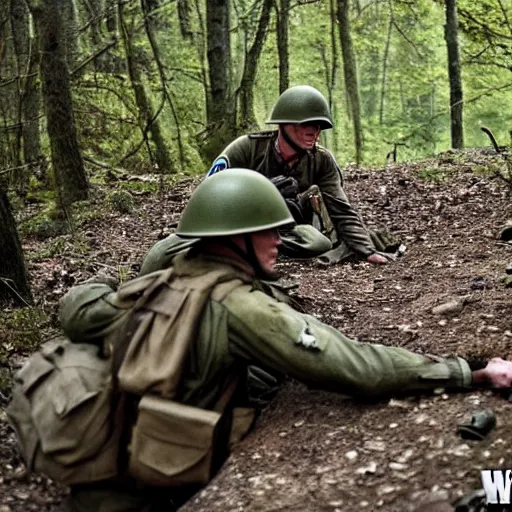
(249, 327)
(316, 167)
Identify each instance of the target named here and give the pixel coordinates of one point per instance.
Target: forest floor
(314, 450)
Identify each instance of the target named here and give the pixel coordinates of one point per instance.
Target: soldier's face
(265, 245)
(304, 135)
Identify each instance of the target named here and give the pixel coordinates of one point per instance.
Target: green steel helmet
(301, 104)
(233, 202)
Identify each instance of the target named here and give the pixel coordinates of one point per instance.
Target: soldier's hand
(377, 259)
(287, 186)
(497, 374)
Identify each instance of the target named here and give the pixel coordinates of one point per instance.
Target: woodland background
(106, 105)
(90, 89)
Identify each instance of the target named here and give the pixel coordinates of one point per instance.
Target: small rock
(421, 418)
(351, 455)
(493, 328)
(397, 466)
(405, 456)
(370, 469)
(386, 489)
(460, 451)
(450, 308)
(442, 323)
(375, 446)
(480, 283)
(323, 469)
(400, 404)
(299, 423)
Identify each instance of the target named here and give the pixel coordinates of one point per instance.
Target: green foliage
(61, 246)
(432, 174)
(404, 98)
(45, 224)
(20, 332)
(121, 201)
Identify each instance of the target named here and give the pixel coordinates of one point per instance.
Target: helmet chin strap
(249, 255)
(300, 151)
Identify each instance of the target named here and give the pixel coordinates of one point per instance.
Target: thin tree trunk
(200, 47)
(334, 73)
(218, 51)
(148, 122)
(385, 66)
(248, 118)
(454, 73)
(9, 148)
(283, 8)
(69, 16)
(350, 70)
(29, 93)
(221, 114)
(14, 287)
(68, 168)
(163, 79)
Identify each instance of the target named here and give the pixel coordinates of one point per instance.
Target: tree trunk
(218, 52)
(221, 112)
(148, 122)
(200, 39)
(385, 66)
(9, 118)
(68, 168)
(69, 13)
(350, 70)
(14, 287)
(334, 73)
(148, 24)
(454, 73)
(29, 99)
(248, 118)
(283, 7)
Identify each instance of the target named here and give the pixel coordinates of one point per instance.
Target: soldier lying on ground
(236, 216)
(309, 179)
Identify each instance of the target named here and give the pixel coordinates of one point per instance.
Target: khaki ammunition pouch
(175, 444)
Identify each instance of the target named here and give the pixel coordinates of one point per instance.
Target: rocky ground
(319, 451)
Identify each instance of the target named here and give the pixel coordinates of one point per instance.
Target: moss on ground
(21, 334)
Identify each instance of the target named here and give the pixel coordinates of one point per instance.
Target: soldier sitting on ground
(309, 179)
(236, 216)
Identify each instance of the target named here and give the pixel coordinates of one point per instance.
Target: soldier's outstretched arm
(272, 334)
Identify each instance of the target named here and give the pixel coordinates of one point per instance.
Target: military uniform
(250, 327)
(316, 167)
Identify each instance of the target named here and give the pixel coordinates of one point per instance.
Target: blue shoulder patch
(219, 165)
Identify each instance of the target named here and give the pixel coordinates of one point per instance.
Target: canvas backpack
(69, 410)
